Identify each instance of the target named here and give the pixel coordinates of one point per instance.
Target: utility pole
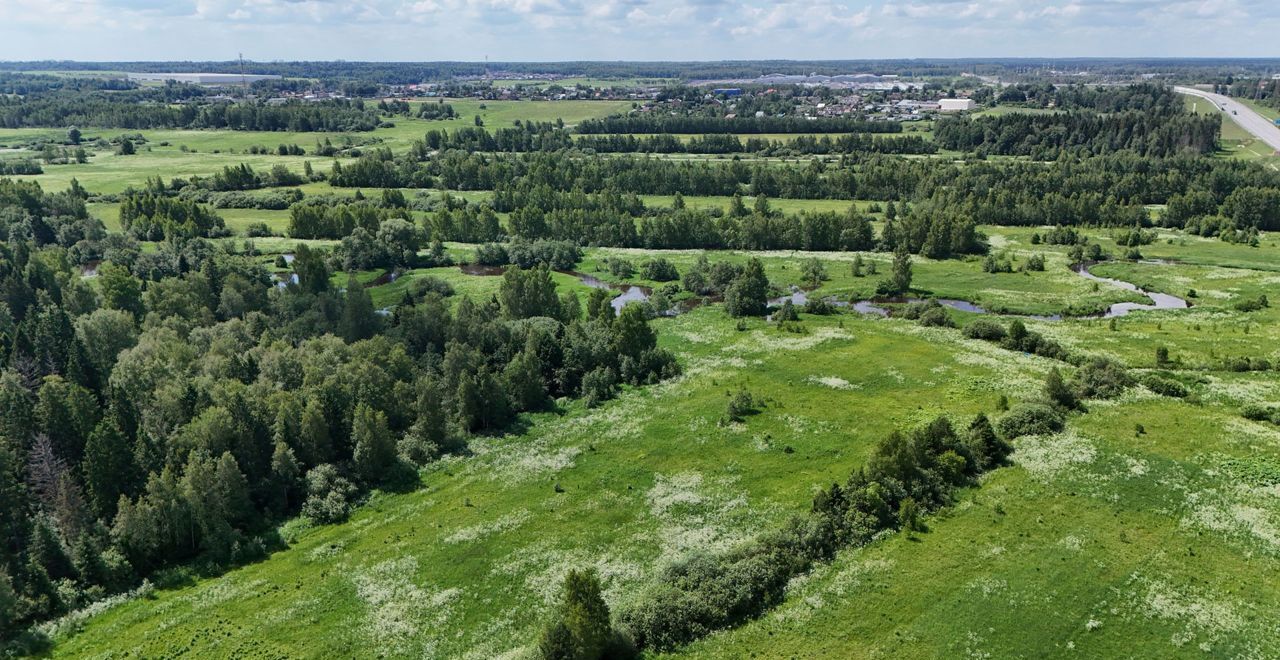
(244, 82)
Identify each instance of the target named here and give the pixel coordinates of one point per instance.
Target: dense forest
(150, 108)
(177, 409)
(1066, 191)
(665, 123)
(548, 137)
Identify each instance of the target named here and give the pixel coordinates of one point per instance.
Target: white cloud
(632, 29)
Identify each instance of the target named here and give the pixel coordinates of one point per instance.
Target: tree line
(659, 122)
(145, 110)
(548, 137)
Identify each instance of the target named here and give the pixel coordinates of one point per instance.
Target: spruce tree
(579, 628)
(374, 452)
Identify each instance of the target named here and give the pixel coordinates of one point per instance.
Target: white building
(957, 105)
(203, 78)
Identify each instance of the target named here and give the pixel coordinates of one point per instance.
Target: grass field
(1237, 142)
(210, 151)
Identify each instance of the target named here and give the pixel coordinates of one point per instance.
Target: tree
(901, 277)
(748, 294)
(359, 321)
(580, 627)
(73, 135)
(329, 495)
(1057, 392)
(309, 266)
(104, 333)
(814, 272)
(528, 293)
(67, 413)
(988, 446)
(126, 147)
(375, 451)
(522, 380)
(8, 603)
(108, 467)
(313, 441)
(285, 472)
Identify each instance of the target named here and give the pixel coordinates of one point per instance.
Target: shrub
(1258, 413)
(937, 317)
(659, 270)
(786, 313)
(598, 385)
(258, 230)
(740, 405)
(329, 495)
(1100, 378)
(1164, 386)
(1029, 419)
(819, 307)
(986, 330)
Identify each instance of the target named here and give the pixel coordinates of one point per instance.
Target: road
(1261, 127)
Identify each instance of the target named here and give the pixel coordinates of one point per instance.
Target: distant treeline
(547, 137)
(19, 166)
(147, 112)
(684, 124)
(1265, 92)
(1150, 120)
(1044, 136)
(23, 84)
(1104, 190)
(413, 72)
(1146, 97)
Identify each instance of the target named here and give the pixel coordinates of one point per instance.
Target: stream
(629, 293)
(799, 297)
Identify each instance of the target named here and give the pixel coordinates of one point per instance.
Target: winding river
(629, 293)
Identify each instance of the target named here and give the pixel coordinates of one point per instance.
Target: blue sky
(632, 29)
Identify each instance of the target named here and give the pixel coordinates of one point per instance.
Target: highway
(1259, 126)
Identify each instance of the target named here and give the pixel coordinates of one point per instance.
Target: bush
(937, 317)
(1164, 386)
(1252, 305)
(1258, 413)
(1029, 419)
(1100, 378)
(985, 330)
(819, 307)
(598, 385)
(258, 230)
(329, 495)
(491, 254)
(620, 267)
(786, 313)
(741, 404)
(659, 270)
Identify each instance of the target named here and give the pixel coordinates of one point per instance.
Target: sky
(549, 30)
